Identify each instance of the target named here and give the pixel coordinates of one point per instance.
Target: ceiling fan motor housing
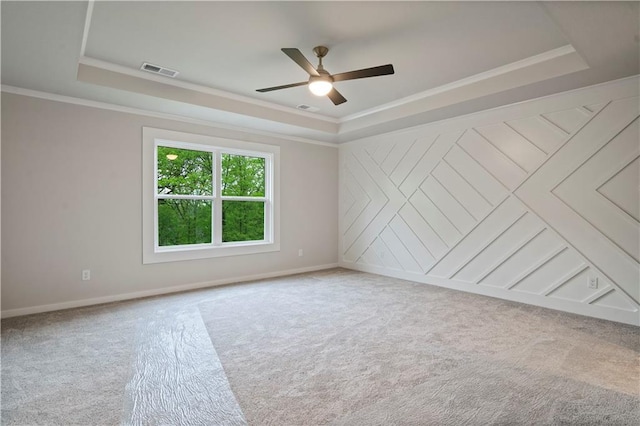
(324, 76)
(321, 51)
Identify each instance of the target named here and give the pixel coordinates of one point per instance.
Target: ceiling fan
(320, 81)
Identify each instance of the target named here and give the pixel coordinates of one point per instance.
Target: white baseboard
(155, 292)
(626, 317)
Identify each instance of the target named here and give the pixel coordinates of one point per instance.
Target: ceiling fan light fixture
(321, 82)
(320, 86)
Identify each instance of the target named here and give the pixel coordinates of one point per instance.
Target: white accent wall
(72, 200)
(527, 202)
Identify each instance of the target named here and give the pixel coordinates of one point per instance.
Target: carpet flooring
(334, 347)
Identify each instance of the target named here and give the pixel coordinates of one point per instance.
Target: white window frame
(152, 252)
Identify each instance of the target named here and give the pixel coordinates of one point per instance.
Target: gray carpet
(358, 349)
(334, 347)
(144, 362)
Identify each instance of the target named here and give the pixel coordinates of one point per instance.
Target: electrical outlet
(300, 252)
(381, 255)
(86, 275)
(593, 282)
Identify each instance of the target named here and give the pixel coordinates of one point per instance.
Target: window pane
(184, 171)
(184, 222)
(242, 175)
(242, 221)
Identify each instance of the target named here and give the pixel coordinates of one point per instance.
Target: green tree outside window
(189, 173)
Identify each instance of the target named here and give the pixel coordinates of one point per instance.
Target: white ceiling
(450, 58)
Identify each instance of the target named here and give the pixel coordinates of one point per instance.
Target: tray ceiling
(450, 58)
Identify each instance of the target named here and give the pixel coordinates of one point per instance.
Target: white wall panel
(433, 153)
(579, 190)
(400, 251)
(459, 216)
(530, 250)
(385, 255)
(423, 230)
(495, 225)
(569, 120)
(492, 159)
(613, 299)
(396, 155)
(380, 153)
(461, 190)
(519, 149)
(622, 194)
(528, 207)
(413, 244)
(549, 270)
(612, 127)
(490, 258)
(574, 288)
(436, 218)
(487, 186)
(540, 132)
(413, 156)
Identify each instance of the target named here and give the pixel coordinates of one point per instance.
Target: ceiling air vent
(156, 69)
(307, 108)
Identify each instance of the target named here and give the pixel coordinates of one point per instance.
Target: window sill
(205, 252)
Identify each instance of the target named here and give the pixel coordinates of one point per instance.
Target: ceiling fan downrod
(321, 52)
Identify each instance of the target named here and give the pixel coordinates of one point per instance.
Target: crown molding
(591, 94)
(597, 93)
(554, 63)
(138, 111)
(97, 63)
(527, 62)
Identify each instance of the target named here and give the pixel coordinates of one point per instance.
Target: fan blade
(299, 59)
(336, 97)
(364, 73)
(286, 86)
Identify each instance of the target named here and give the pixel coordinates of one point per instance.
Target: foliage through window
(194, 183)
(204, 196)
(242, 176)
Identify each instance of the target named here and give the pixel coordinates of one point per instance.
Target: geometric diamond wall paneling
(529, 206)
(565, 193)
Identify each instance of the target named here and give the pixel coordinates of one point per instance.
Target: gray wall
(71, 200)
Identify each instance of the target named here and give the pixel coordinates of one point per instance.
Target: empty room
(320, 213)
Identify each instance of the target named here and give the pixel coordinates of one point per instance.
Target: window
(207, 197)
